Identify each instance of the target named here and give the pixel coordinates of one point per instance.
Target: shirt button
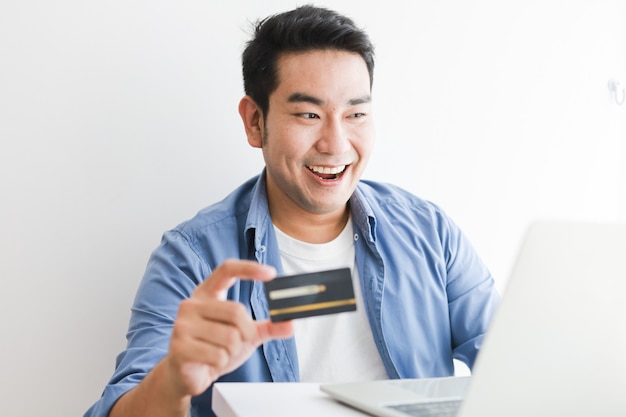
(356, 237)
(261, 249)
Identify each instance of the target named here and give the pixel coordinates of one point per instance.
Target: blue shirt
(428, 296)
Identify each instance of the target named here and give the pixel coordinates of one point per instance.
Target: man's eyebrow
(305, 98)
(360, 100)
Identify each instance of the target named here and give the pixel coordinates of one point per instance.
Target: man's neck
(313, 228)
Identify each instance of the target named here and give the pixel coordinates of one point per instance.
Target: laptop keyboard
(447, 408)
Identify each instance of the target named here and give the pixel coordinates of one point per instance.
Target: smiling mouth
(328, 173)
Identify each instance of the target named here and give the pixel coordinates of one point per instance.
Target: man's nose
(334, 138)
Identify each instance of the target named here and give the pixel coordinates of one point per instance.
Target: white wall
(118, 120)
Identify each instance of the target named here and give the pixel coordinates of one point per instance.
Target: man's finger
(267, 330)
(225, 275)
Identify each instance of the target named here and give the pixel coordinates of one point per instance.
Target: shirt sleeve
(472, 297)
(173, 272)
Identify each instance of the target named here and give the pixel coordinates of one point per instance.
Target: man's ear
(252, 118)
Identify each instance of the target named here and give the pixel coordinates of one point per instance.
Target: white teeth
(328, 170)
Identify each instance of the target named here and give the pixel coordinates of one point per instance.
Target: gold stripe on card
(311, 307)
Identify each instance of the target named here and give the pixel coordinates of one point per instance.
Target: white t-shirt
(338, 347)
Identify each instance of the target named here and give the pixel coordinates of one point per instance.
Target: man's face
(318, 134)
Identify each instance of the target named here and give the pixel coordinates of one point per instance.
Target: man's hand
(211, 337)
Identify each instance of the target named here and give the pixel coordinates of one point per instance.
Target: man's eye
(309, 115)
(357, 115)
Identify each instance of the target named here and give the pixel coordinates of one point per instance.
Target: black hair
(303, 29)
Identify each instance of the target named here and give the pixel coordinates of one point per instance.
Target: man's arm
(211, 337)
(472, 296)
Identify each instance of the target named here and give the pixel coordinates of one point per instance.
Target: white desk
(276, 399)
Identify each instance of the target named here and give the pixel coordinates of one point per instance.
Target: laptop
(556, 346)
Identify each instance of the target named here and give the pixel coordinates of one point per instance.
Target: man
(200, 315)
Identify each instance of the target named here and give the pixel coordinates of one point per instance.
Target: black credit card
(312, 294)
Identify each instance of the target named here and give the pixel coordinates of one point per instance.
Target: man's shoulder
(390, 202)
(221, 214)
(384, 193)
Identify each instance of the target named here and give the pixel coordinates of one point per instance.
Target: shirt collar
(258, 220)
(363, 214)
